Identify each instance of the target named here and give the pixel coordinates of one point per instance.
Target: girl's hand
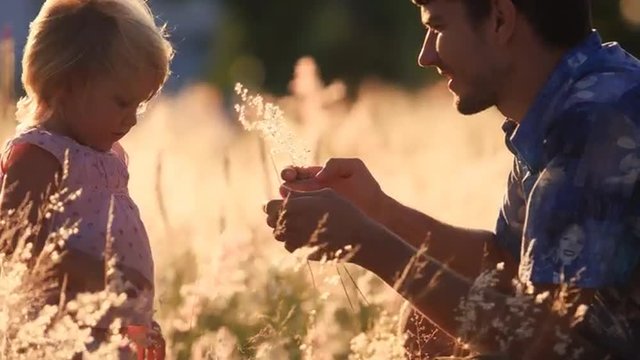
(158, 345)
(149, 343)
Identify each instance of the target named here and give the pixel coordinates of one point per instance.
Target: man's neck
(531, 70)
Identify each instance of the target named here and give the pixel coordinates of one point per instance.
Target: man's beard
(473, 104)
(481, 93)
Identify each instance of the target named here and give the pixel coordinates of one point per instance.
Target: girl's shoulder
(30, 164)
(83, 166)
(62, 147)
(56, 145)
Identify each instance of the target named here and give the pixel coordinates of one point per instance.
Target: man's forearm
(436, 291)
(402, 267)
(462, 249)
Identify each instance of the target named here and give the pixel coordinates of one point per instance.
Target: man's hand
(321, 219)
(348, 177)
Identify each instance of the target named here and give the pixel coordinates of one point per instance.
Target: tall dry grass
(225, 289)
(37, 321)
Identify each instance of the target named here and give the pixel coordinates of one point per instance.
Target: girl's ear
(58, 96)
(66, 90)
(69, 86)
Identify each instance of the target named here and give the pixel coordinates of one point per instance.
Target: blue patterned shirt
(572, 207)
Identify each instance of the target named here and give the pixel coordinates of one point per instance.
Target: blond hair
(88, 39)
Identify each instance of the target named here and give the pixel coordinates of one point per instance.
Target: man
(571, 215)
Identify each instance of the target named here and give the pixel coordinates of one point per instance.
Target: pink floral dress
(101, 176)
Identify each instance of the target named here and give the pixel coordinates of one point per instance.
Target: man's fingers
(336, 169)
(308, 196)
(295, 201)
(294, 173)
(301, 185)
(295, 218)
(289, 174)
(290, 247)
(294, 239)
(272, 207)
(272, 221)
(316, 255)
(284, 191)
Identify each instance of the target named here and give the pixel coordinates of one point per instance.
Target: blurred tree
(609, 20)
(631, 11)
(258, 42)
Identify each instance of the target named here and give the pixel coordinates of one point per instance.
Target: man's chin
(468, 106)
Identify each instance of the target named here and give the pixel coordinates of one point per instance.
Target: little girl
(89, 67)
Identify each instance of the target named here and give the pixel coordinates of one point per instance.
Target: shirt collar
(526, 140)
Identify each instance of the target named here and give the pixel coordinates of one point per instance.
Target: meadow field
(225, 288)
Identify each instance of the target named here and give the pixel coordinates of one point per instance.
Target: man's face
(461, 51)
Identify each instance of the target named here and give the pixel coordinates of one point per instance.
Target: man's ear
(503, 20)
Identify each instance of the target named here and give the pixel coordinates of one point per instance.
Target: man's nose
(428, 54)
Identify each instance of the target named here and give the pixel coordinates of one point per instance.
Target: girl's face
(101, 111)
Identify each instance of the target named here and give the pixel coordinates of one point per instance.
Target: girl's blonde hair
(86, 39)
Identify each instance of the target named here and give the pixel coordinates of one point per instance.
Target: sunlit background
(258, 42)
(344, 72)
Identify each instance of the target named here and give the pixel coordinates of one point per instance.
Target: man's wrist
(383, 208)
(368, 244)
(379, 250)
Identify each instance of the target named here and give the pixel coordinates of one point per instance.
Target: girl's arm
(30, 173)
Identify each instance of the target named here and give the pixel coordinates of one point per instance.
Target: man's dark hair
(559, 23)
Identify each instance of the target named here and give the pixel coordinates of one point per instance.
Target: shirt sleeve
(583, 217)
(512, 215)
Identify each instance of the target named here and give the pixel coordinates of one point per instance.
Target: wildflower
(268, 120)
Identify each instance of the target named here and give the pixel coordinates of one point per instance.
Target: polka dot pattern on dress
(102, 176)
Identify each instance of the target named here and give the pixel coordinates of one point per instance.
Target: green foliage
(258, 42)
